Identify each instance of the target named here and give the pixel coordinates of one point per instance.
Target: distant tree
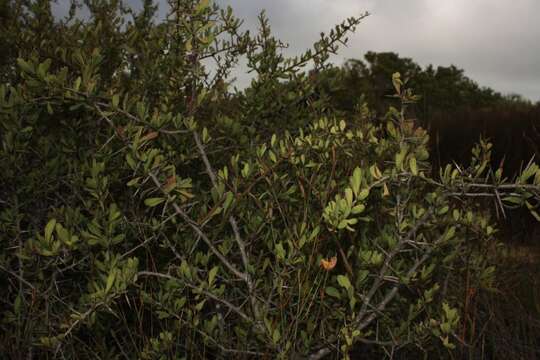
(442, 89)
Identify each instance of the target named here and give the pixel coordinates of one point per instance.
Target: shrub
(134, 224)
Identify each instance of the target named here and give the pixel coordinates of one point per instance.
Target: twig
(15, 275)
(376, 285)
(362, 323)
(234, 225)
(392, 293)
(203, 236)
(229, 305)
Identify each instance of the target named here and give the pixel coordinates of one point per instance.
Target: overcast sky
(497, 42)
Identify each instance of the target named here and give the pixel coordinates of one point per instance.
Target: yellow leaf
(386, 192)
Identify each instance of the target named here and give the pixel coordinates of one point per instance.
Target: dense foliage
(442, 88)
(454, 109)
(149, 213)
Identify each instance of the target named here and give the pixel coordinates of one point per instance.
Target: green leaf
(131, 161)
(200, 305)
(514, 200)
(212, 275)
(446, 328)
(363, 194)
(42, 68)
(443, 210)
(413, 165)
(110, 280)
(205, 135)
(332, 291)
(280, 251)
(449, 233)
(528, 172)
(246, 170)
(188, 46)
(115, 100)
(25, 66)
(356, 180)
(447, 343)
(163, 315)
(203, 4)
(229, 197)
(358, 209)
(535, 214)
(17, 304)
(272, 156)
(276, 336)
(179, 304)
(343, 281)
(400, 156)
(77, 84)
(62, 233)
(133, 182)
(362, 276)
(49, 229)
(151, 202)
(349, 196)
(342, 224)
(185, 270)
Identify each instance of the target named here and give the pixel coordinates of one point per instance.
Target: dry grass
(511, 314)
(522, 254)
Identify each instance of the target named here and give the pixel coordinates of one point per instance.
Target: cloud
(496, 42)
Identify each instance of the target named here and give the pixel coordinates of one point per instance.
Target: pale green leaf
(49, 229)
(332, 291)
(212, 275)
(151, 202)
(343, 281)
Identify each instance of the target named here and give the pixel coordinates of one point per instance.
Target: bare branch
(203, 236)
(208, 294)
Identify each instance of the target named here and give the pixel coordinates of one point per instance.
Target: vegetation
(148, 212)
(453, 108)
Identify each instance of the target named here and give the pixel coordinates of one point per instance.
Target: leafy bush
(455, 110)
(137, 223)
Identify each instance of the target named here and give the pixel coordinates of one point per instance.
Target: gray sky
(497, 42)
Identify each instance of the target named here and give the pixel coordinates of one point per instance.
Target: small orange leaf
(170, 184)
(329, 264)
(120, 130)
